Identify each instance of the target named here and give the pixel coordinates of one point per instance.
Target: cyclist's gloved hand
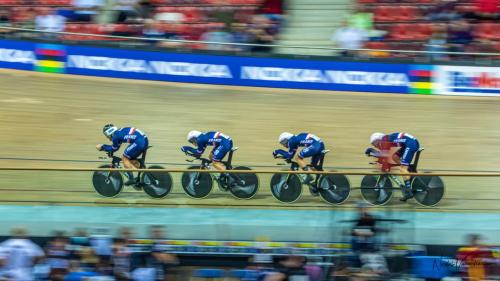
(280, 153)
(370, 151)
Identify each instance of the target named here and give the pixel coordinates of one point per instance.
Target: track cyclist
(138, 143)
(397, 148)
(313, 146)
(222, 145)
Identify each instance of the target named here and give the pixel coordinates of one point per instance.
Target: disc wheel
(376, 190)
(428, 190)
(197, 185)
(107, 184)
(156, 184)
(334, 189)
(244, 186)
(286, 188)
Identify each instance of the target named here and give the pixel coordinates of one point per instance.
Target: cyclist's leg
(218, 154)
(130, 159)
(310, 151)
(406, 159)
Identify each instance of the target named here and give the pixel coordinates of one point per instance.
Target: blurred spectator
(216, 33)
(240, 35)
(20, 255)
(474, 257)
(48, 20)
(262, 31)
(42, 270)
(459, 35)
(171, 31)
(58, 255)
(444, 10)
(4, 18)
(121, 259)
(291, 268)
(161, 260)
(363, 20)
(145, 272)
(349, 38)
(101, 243)
(364, 231)
(85, 10)
(437, 43)
(144, 9)
(152, 29)
(125, 10)
(126, 234)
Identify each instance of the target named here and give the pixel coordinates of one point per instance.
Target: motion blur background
(252, 69)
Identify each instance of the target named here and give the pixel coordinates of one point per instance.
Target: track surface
(60, 117)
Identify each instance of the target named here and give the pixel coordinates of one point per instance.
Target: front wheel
(196, 185)
(428, 190)
(287, 188)
(376, 190)
(334, 189)
(243, 186)
(107, 183)
(156, 184)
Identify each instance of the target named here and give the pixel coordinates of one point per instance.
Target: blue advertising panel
(17, 55)
(210, 69)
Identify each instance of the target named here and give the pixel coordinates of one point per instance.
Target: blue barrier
(250, 71)
(209, 69)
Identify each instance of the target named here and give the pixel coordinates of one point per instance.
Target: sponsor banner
(17, 55)
(214, 69)
(467, 80)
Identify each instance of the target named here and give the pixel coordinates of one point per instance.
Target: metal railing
(182, 41)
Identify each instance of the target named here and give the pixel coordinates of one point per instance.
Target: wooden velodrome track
(60, 117)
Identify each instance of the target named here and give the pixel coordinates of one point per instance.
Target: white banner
(467, 80)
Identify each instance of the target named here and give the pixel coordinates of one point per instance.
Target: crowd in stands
(425, 25)
(226, 21)
(100, 255)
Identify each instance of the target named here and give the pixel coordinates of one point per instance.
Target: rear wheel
(197, 185)
(334, 189)
(376, 190)
(287, 188)
(107, 184)
(243, 186)
(156, 184)
(427, 190)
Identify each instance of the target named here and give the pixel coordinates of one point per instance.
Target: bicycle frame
(294, 166)
(205, 163)
(412, 168)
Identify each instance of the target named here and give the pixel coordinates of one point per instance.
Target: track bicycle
(332, 188)
(110, 183)
(199, 184)
(427, 190)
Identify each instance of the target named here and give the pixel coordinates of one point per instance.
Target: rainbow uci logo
(50, 58)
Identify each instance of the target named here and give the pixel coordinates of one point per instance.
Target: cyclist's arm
(112, 148)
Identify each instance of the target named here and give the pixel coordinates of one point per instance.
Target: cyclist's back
(129, 135)
(213, 138)
(303, 140)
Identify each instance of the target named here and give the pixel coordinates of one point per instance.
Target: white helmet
(193, 134)
(285, 136)
(376, 137)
